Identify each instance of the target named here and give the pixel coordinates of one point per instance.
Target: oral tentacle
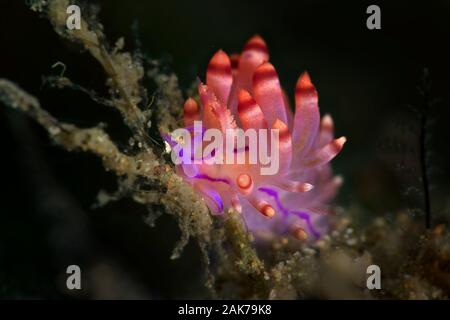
(325, 154)
(307, 117)
(267, 92)
(250, 113)
(219, 76)
(284, 145)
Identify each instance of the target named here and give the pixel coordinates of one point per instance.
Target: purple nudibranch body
(243, 91)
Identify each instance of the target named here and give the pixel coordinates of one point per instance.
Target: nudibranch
(243, 92)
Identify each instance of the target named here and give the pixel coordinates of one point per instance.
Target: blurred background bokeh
(365, 79)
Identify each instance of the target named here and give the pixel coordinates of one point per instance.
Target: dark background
(365, 79)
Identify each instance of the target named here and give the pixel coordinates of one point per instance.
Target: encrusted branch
(124, 77)
(123, 73)
(178, 198)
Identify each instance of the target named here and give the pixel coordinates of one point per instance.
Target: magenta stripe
(206, 177)
(302, 215)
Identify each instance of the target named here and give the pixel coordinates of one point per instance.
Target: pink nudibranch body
(243, 91)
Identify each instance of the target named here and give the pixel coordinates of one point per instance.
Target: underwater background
(365, 78)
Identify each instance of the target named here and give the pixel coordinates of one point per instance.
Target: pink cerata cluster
(243, 91)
